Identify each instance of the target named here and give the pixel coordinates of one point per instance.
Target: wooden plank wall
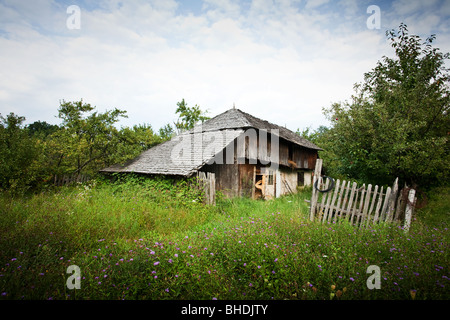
(207, 181)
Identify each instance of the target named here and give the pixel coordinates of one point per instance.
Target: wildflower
(170, 260)
(156, 263)
(352, 279)
(167, 290)
(176, 255)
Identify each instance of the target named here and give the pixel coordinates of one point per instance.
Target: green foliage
(166, 132)
(131, 142)
(188, 116)
(17, 154)
(41, 129)
(133, 241)
(86, 141)
(397, 123)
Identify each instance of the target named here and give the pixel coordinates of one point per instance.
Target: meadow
(148, 239)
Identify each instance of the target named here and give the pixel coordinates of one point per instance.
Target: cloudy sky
(280, 60)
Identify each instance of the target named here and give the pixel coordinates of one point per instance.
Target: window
(270, 178)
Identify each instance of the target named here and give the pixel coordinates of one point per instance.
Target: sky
(283, 61)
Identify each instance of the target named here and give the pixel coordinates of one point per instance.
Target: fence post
(315, 194)
(409, 209)
(392, 201)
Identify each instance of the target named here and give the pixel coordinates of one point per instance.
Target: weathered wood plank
(377, 209)
(327, 206)
(366, 204)
(345, 201)
(329, 213)
(338, 205)
(392, 201)
(372, 204)
(361, 204)
(387, 197)
(354, 210)
(350, 202)
(314, 196)
(324, 197)
(409, 210)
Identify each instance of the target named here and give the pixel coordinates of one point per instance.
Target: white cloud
(271, 58)
(311, 4)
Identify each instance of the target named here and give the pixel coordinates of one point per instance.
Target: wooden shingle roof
(189, 151)
(237, 119)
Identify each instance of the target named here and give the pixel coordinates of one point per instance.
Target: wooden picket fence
(63, 180)
(207, 181)
(361, 206)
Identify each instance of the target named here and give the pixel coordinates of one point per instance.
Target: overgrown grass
(149, 239)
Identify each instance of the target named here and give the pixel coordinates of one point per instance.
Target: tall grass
(151, 239)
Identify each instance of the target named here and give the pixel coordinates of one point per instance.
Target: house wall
(247, 149)
(238, 178)
(227, 178)
(288, 181)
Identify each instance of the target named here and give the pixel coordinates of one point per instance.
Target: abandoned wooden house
(249, 156)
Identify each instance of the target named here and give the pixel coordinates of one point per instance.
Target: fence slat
(327, 206)
(377, 209)
(362, 206)
(350, 202)
(345, 201)
(338, 205)
(409, 209)
(383, 214)
(354, 210)
(372, 204)
(366, 204)
(331, 208)
(324, 197)
(317, 171)
(392, 201)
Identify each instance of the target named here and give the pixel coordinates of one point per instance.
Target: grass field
(140, 239)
